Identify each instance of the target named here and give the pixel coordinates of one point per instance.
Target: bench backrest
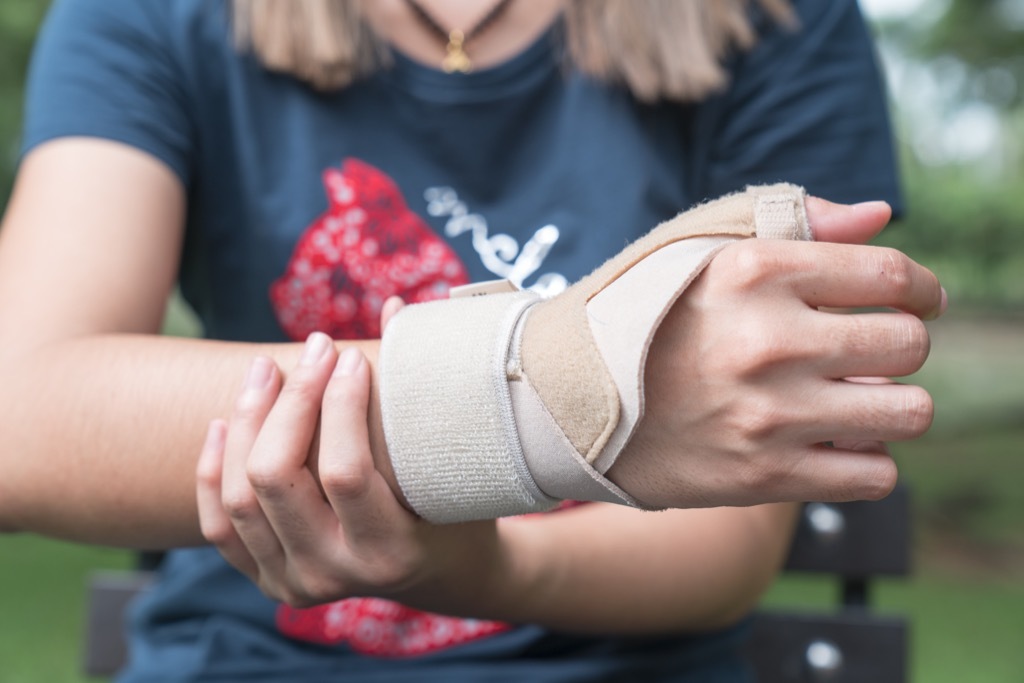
(856, 543)
(853, 542)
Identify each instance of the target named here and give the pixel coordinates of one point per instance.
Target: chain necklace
(457, 60)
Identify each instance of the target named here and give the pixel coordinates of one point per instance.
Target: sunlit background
(955, 70)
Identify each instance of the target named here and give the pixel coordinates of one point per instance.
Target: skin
(268, 515)
(520, 24)
(268, 505)
(103, 420)
(97, 408)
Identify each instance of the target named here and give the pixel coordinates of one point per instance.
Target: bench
(853, 542)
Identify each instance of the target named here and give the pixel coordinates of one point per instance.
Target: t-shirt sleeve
(806, 106)
(105, 68)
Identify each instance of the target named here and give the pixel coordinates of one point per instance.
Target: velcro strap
(447, 412)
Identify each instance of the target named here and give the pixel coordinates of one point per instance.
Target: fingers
(868, 344)
(842, 411)
(835, 275)
(214, 522)
(261, 387)
(864, 277)
(276, 469)
(859, 277)
(837, 474)
(261, 505)
(888, 412)
(360, 497)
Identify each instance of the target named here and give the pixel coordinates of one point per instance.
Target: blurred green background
(956, 74)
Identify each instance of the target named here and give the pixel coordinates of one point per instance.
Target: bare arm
(101, 418)
(591, 569)
(608, 569)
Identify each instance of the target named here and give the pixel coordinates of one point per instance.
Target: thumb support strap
(506, 403)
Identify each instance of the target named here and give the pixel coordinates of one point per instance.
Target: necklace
(457, 60)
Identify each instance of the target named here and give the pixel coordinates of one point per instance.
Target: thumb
(846, 223)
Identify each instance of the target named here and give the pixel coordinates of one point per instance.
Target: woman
(294, 185)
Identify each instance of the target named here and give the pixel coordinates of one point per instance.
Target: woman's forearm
(101, 433)
(608, 569)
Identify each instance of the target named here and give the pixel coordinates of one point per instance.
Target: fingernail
(316, 346)
(259, 373)
(348, 362)
(876, 204)
(943, 305)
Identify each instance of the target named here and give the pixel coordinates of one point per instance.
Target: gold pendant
(457, 59)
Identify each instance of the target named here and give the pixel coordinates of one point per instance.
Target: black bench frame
(853, 542)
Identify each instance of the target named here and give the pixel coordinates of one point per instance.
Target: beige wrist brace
(506, 403)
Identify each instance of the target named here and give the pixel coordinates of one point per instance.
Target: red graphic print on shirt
(366, 247)
(381, 628)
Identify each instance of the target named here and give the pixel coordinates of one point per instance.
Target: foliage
(19, 20)
(967, 229)
(987, 36)
(984, 36)
(965, 215)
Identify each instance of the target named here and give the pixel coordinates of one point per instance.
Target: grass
(965, 600)
(966, 597)
(962, 628)
(42, 593)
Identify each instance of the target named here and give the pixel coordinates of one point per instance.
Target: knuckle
(761, 420)
(218, 532)
(878, 483)
(918, 411)
(755, 461)
(749, 263)
(250, 406)
(755, 349)
(311, 592)
(917, 342)
(297, 600)
(208, 474)
(279, 592)
(344, 479)
(240, 503)
(897, 270)
(309, 581)
(762, 356)
(266, 477)
(393, 572)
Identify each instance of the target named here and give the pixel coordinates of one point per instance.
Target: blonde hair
(659, 49)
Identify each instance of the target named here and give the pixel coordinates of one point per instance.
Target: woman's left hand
(308, 538)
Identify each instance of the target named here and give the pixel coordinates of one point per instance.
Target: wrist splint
(506, 403)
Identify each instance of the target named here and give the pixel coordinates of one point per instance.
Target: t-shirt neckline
(531, 66)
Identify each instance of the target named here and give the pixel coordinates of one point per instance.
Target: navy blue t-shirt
(306, 210)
